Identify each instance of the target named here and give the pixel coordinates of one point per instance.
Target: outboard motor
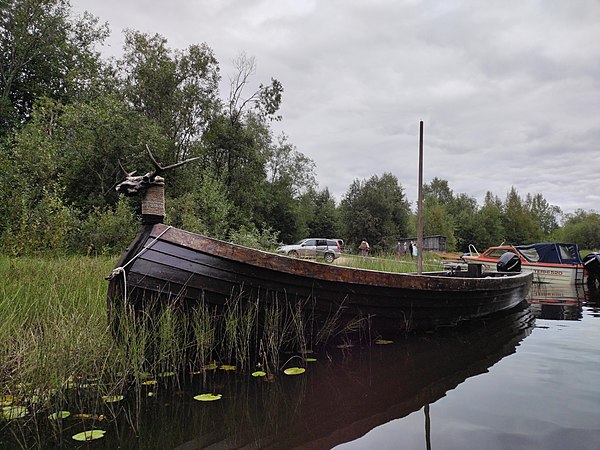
(591, 262)
(509, 262)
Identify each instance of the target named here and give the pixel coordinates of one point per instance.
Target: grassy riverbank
(53, 326)
(55, 338)
(391, 263)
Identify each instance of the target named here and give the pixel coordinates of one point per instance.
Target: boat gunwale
(312, 269)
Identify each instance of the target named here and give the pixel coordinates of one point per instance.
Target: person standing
(364, 248)
(410, 249)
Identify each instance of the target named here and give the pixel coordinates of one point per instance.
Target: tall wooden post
(420, 205)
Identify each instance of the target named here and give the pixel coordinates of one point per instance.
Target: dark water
(526, 380)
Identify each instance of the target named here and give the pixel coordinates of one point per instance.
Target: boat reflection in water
(340, 398)
(557, 301)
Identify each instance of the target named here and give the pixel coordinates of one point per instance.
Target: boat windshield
(550, 253)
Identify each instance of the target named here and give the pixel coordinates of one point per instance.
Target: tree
(438, 221)
(439, 191)
(286, 164)
(43, 52)
(488, 223)
(238, 142)
(376, 210)
(582, 228)
(519, 224)
(176, 89)
(544, 213)
(325, 220)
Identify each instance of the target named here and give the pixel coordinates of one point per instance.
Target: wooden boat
(549, 262)
(168, 264)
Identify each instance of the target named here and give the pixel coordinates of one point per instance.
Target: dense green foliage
(69, 119)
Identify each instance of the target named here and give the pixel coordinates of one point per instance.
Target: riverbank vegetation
(60, 356)
(68, 117)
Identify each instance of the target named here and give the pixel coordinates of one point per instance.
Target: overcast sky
(509, 91)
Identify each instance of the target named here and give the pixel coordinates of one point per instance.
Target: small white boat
(550, 262)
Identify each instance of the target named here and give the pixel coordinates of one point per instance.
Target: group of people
(402, 248)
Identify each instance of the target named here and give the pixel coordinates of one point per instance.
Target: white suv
(328, 249)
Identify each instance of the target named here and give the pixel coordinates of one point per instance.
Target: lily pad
(112, 398)
(6, 400)
(89, 435)
(14, 412)
(311, 359)
(211, 366)
(227, 367)
(383, 342)
(294, 370)
(259, 373)
(166, 374)
(59, 415)
(208, 397)
(149, 382)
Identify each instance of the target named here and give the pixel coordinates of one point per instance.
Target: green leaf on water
(6, 400)
(227, 367)
(383, 342)
(208, 397)
(211, 366)
(112, 398)
(311, 359)
(259, 373)
(166, 374)
(149, 382)
(294, 371)
(89, 435)
(59, 415)
(14, 412)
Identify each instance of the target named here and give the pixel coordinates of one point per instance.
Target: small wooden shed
(430, 243)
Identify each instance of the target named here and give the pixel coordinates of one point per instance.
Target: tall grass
(391, 263)
(55, 335)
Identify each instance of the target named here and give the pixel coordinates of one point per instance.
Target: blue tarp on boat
(550, 252)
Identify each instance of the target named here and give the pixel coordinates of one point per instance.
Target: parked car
(328, 249)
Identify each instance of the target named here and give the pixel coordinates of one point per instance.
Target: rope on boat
(121, 269)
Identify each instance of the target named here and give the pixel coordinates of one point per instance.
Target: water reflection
(561, 301)
(340, 398)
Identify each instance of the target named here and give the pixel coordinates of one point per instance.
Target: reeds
(391, 263)
(58, 349)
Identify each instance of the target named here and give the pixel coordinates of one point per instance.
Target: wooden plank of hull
(190, 266)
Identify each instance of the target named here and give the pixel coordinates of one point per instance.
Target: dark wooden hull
(168, 263)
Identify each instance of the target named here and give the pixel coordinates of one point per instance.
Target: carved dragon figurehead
(151, 188)
(134, 185)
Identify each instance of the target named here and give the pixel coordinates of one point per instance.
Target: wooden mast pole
(420, 205)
